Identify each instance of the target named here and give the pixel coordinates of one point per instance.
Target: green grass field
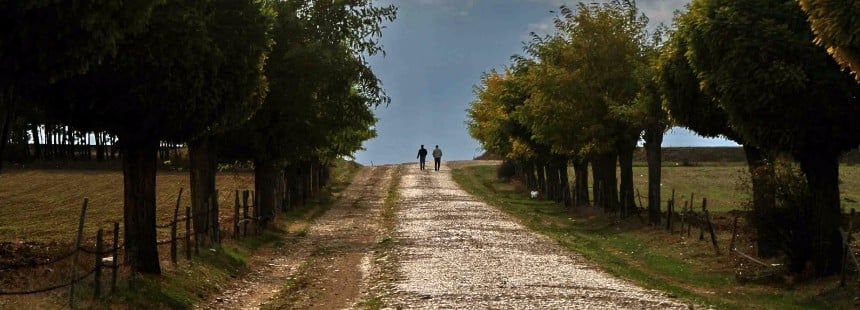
(725, 185)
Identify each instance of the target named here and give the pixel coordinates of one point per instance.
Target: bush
(789, 220)
(506, 170)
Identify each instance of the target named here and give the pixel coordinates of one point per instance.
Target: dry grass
(45, 205)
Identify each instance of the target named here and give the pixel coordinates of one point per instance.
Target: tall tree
(240, 29)
(159, 87)
(836, 27)
(758, 59)
(589, 79)
(321, 90)
(691, 108)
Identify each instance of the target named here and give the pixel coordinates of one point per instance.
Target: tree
(689, 107)
(241, 31)
(159, 87)
(655, 122)
(45, 41)
(321, 93)
(587, 79)
(757, 59)
(836, 27)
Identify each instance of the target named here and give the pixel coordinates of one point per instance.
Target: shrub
(506, 170)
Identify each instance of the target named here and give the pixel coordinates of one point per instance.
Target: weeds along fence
(682, 222)
(81, 263)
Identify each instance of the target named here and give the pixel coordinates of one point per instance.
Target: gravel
(455, 251)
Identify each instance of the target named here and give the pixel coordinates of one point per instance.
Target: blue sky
(436, 51)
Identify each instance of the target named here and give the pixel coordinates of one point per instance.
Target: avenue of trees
(280, 83)
(774, 76)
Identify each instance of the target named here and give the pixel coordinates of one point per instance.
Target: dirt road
(442, 248)
(325, 261)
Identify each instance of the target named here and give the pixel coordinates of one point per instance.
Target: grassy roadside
(183, 287)
(682, 267)
(384, 258)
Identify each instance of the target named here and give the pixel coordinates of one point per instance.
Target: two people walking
(437, 157)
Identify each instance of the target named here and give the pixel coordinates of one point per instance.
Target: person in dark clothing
(437, 158)
(422, 156)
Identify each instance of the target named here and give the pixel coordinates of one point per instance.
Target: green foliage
(321, 88)
(682, 98)
(183, 76)
(758, 60)
(42, 41)
(584, 80)
(836, 27)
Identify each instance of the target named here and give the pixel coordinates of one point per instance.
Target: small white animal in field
(534, 194)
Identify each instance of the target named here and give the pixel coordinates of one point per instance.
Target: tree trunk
(565, 185)
(281, 190)
(595, 182)
(654, 154)
(525, 169)
(608, 181)
(763, 218)
(307, 187)
(8, 116)
(37, 146)
(541, 178)
(100, 146)
(202, 165)
(139, 159)
(822, 175)
(580, 182)
(625, 163)
(265, 184)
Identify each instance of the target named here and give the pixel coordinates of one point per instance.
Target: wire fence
(108, 257)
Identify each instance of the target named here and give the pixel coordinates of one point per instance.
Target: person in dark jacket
(422, 156)
(437, 158)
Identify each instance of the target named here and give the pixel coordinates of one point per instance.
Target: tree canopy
(757, 59)
(837, 27)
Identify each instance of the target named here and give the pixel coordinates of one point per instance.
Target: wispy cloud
(454, 7)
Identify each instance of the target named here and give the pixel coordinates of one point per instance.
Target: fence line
(114, 264)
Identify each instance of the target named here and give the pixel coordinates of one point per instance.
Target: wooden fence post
(245, 195)
(173, 241)
(97, 283)
(236, 217)
(734, 234)
(257, 215)
(710, 225)
(188, 233)
(214, 218)
(115, 265)
(77, 254)
(846, 242)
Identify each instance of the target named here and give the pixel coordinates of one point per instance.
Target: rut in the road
(330, 254)
(457, 252)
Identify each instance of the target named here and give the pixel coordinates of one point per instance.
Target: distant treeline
(705, 154)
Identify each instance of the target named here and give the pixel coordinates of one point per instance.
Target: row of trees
(283, 84)
(749, 71)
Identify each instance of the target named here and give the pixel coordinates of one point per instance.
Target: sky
(436, 52)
